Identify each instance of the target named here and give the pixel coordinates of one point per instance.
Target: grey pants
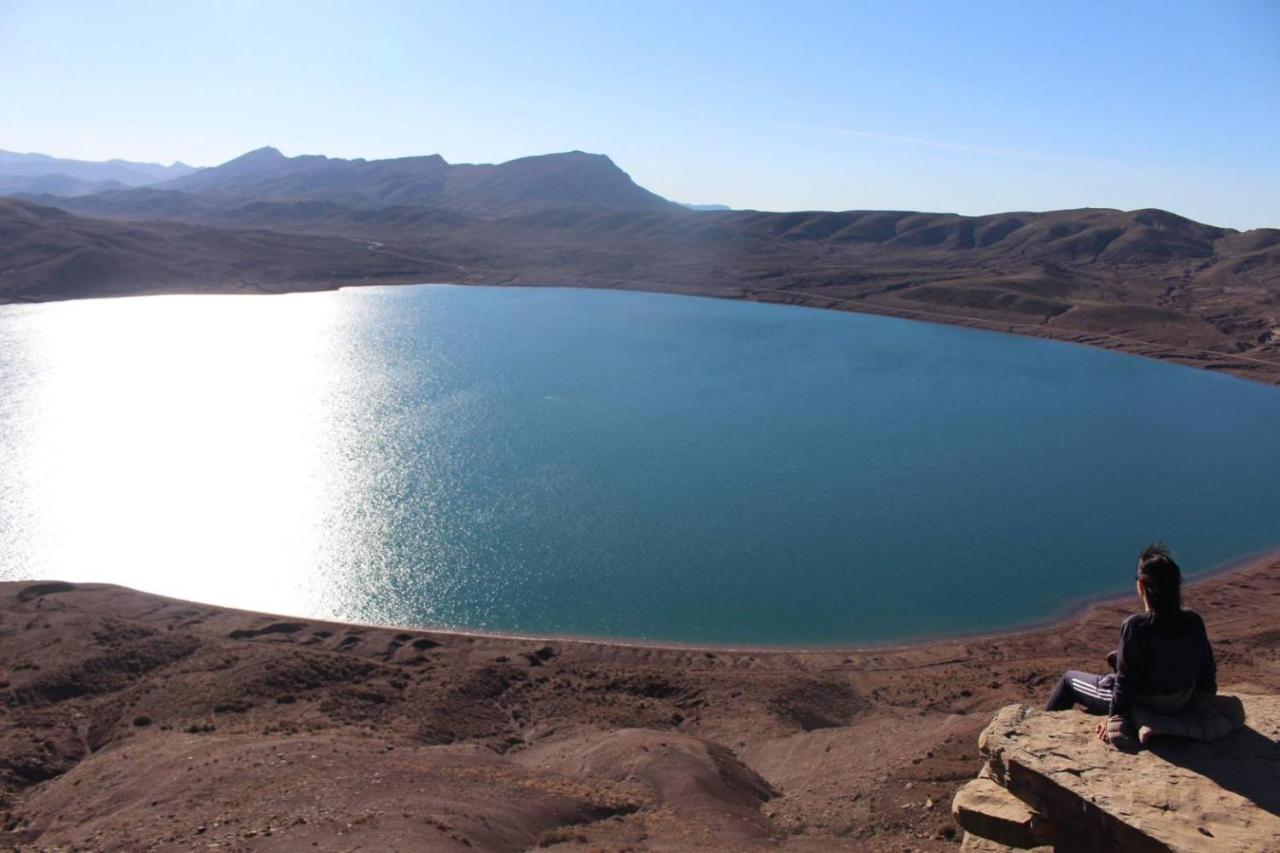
(1091, 691)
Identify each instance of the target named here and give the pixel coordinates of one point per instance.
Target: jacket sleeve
(1207, 678)
(1130, 663)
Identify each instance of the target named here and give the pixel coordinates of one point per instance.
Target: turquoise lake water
(556, 461)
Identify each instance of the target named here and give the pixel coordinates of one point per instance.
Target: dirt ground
(132, 721)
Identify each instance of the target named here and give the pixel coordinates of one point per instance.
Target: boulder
(1176, 795)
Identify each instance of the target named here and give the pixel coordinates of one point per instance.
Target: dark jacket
(1162, 662)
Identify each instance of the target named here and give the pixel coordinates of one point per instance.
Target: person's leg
(1063, 696)
(1089, 690)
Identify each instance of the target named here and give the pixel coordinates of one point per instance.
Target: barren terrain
(1146, 282)
(139, 722)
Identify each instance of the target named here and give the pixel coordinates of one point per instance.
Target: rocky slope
(46, 253)
(133, 721)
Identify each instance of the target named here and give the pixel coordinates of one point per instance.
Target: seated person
(1164, 656)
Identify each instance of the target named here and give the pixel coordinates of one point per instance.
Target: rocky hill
(1143, 281)
(46, 253)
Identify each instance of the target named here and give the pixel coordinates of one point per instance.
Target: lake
(598, 463)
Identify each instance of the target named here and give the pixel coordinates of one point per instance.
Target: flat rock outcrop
(1048, 779)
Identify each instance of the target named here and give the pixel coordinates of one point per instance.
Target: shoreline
(1236, 366)
(1071, 612)
(1214, 362)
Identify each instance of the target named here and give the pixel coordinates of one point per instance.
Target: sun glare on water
(176, 441)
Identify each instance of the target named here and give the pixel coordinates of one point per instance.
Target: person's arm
(1130, 663)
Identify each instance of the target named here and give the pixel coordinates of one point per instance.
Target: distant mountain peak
(577, 154)
(266, 152)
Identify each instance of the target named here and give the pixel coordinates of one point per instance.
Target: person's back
(1162, 661)
(1164, 656)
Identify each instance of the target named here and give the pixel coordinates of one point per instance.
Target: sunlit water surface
(614, 464)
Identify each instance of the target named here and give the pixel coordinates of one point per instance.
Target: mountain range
(265, 176)
(1145, 281)
(40, 173)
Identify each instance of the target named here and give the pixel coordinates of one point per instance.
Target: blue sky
(966, 107)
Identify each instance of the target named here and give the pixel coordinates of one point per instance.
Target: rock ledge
(1049, 781)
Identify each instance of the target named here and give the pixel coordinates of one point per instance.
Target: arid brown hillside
(131, 721)
(47, 254)
(1145, 281)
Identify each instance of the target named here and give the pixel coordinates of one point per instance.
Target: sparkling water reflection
(607, 463)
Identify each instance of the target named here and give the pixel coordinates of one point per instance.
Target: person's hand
(1114, 731)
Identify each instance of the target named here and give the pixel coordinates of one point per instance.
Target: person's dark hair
(1162, 580)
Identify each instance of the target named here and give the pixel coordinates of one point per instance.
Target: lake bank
(1146, 343)
(1143, 342)
(301, 730)
(1069, 613)
(1209, 306)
